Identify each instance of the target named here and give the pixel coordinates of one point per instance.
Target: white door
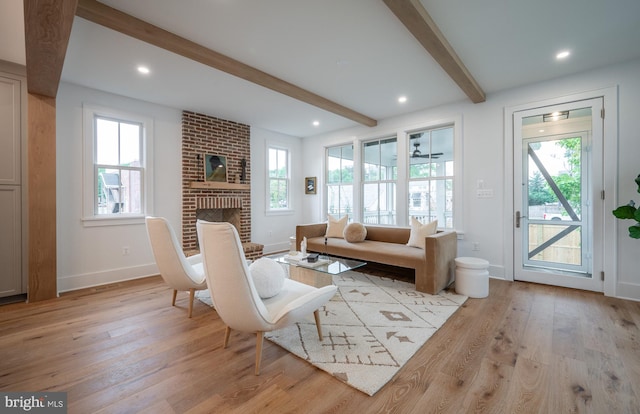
(557, 194)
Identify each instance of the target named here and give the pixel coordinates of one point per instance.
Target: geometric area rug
(371, 328)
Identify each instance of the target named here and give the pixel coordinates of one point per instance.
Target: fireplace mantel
(214, 185)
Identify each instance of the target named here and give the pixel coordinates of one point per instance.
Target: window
(380, 173)
(414, 173)
(116, 166)
(339, 180)
(278, 185)
(431, 172)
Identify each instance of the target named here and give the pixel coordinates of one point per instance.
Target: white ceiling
(353, 52)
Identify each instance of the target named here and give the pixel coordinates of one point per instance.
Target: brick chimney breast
(203, 134)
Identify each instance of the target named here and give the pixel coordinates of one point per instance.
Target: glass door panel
(555, 187)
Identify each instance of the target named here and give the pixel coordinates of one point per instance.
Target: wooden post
(41, 143)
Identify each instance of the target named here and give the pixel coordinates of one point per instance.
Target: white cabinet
(12, 273)
(10, 137)
(10, 241)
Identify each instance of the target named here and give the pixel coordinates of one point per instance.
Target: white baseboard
(276, 247)
(630, 291)
(75, 282)
(496, 272)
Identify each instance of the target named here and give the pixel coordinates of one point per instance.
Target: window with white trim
(278, 177)
(339, 170)
(431, 175)
(379, 176)
(117, 181)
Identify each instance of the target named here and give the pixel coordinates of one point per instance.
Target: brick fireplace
(225, 201)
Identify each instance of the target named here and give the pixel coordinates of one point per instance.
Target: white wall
(628, 261)
(92, 256)
(484, 158)
(274, 229)
(89, 256)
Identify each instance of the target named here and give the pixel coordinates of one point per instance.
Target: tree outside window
(567, 178)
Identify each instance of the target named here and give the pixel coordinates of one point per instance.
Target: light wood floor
(123, 349)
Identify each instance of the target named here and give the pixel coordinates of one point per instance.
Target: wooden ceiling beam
(416, 19)
(139, 29)
(47, 26)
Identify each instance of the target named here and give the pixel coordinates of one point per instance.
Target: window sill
(283, 212)
(119, 220)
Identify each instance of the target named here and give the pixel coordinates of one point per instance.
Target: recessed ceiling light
(563, 54)
(144, 70)
(316, 123)
(402, 99)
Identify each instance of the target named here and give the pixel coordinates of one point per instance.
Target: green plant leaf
(625, 212)
(634, 231)
(638, 182)
(636, 215)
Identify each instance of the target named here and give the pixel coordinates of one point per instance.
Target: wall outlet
(476, 246)
(125, 250)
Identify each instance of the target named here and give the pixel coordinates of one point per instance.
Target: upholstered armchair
(179, 272)
(235, 296)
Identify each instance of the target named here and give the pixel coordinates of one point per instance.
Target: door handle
(518, 217)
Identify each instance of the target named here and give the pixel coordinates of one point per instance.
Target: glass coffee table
(316, 274)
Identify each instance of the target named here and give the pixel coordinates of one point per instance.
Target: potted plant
(630, 211)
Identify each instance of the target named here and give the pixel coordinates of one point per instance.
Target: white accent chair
(179, 272)
(233, 292)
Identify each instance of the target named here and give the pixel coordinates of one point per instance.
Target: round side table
(472, 277)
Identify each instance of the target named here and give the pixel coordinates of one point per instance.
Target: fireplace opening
(219, 209)
(219, 215)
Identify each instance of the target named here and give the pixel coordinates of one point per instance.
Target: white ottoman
(472, 277)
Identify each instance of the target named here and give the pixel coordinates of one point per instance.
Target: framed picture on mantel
(215, 168)
(310, 185)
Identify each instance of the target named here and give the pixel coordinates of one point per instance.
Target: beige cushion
(335, 227)
(355, 232)
(419, 231)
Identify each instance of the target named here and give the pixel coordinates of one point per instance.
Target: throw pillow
(419, 231)
(355, 232)
(335, 227)
(268, 277)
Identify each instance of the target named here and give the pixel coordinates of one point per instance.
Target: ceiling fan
(417, 154)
